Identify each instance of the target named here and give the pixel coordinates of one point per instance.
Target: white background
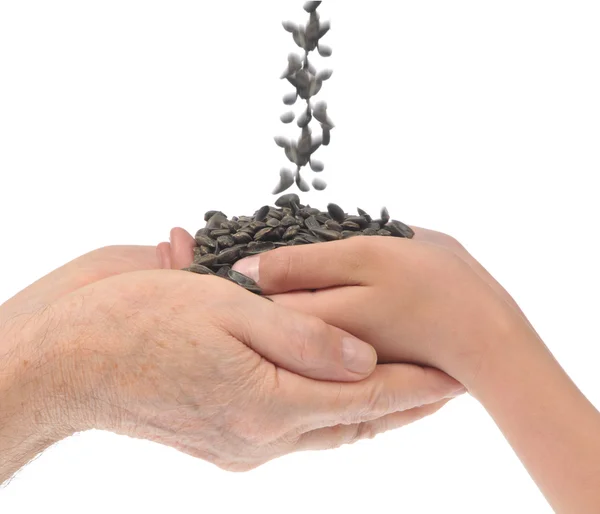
(122, 119)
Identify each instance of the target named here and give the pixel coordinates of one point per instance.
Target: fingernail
(248, 267)
(358, 357)
(460, 391)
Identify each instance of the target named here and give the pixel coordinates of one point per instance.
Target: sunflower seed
(316, 166)
(259, 247)
(350, 225)
(336, 212)
(286, 181)
(324, 75)
(290, 98)
(241, 279)
(347, 234)
(219, 232)
(287, 117)
(291, 232)
(200, 269)
(274, 213)
(225, 241)
(285, 200)
(302, 184)
(360, 220)
(311, 6)
(383, 232)
(385, 216)
(369, 232)
(257, 225)
(207, 260)
(223, 270)
(333, 225)
(289, 26)
(399, 229)
(215, 221)
(261, 214)
(262, 234)
(205, 241)
(324, 50)
(288, 221)
(327, 235)
(319, 184)
(229, 256)
(364, 214)
(273, 223)
(282, 142)
(311, 222)
(242, 237)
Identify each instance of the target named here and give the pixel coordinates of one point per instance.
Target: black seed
(226, 241)
(257, 225)
(311, 222)
(240, 279)
(210, 214)
(200, 269)
(360, 220)
(288, 221)
(317, 166)
(324, 50)
(262, 213)
(295, 206)
(259, 247)
(223, 270)
(319, 184)
(203, 232)
(275, 213)
(325, 26)
(369, 232)
(347, 234)
(286, 181)
(242, 237)
(205, 241)
(261, 234)
(207, 260)
(350, 225)
(291, 232)
(287, 117)
(311, 238)
(327, 235)
(215, 221)
(336, 212)
(333, 225)
(282, 141)
(375, 225)
(219, 232)
(289, 26)
(302, 184)
(324, 75)
(385, 216)
(326, 135)
(273, 222)
(383, 232)
(229, 256)
(399, 229)
(290, 98)
(311, 6)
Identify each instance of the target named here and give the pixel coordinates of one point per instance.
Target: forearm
(31, 407)
(550, 424)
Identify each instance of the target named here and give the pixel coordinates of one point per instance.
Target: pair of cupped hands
(363, 335)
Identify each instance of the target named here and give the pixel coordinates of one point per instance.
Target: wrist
(35, 411)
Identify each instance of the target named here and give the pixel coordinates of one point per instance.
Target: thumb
(312, 266)
(301, 343)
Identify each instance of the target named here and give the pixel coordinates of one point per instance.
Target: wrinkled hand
(202, 365)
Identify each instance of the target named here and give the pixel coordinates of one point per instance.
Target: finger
(182, 248)
(302, 344)
(338, 435)
(314, 266)
(390, 388)
(163, 253)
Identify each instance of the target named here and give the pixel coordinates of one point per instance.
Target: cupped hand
(423, 300)
(200, 364)
(97, 265)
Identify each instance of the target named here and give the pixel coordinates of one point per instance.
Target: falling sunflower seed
(288, 117)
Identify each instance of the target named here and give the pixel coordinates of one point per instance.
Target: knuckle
(281, 263)
(310, 341)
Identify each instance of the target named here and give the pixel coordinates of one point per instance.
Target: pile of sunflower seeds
(301, 74)
(222, 241)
